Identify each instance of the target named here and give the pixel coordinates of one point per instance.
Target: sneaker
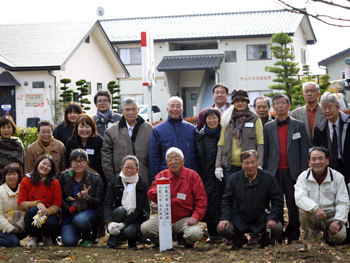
(47, 241)
(32, 242)
(86, 243)
(254, 240)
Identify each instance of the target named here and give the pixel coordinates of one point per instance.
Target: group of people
(231, 171)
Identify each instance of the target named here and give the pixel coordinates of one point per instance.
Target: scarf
(239, 118)
(105, 117)
(46, 146)
(129, 194)
(213, 133)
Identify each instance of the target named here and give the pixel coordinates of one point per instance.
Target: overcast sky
(330, 40)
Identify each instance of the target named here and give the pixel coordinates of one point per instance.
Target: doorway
(8, 102)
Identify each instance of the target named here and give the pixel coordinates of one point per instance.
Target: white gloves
(120, 226)
(39, 220)
(219, 173)
(112, 229)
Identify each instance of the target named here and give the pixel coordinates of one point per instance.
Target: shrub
(27, 135)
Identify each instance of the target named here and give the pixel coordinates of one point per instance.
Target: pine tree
(114, 89)
(84, 91)
(67, 95)
(285, 69)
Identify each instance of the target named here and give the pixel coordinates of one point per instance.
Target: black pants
(286, 184)
(130, 232)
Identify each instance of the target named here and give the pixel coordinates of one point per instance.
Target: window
(130, 56)
(38, 84)
(256, 52)
(230, 56)
(75, 96)
(193, 45)
(303, 55)
(155, 109)
(89, 86)
(99, 86)
(254, 94)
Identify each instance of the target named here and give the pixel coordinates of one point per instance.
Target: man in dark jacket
(252, 190)
(105, 116)
(220, 96)
(174, 132)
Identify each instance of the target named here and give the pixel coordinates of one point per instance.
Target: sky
(330, 40)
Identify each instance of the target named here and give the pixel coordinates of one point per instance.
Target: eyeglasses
(46, 132)
(102, 101)
(11, 175)
(176, 159)
(130, 109)
(129, 168)
(78, 162)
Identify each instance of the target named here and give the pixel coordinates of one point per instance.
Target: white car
(156, 113)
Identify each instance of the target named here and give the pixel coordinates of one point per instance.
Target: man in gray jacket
(129, 136)
(310, 114)
(285, 157)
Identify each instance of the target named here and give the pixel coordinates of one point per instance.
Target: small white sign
(296, 136)
(249, 125)
(164, 214)
(90, 151)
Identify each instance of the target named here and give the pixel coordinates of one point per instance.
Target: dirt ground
(297, 252)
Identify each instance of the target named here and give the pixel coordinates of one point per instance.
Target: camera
(268, 233)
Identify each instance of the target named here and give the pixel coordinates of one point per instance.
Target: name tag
(129, 188)
(90, 151)
(249, 125)
(296, 136)
(181, 196)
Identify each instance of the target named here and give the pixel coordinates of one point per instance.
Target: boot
(32, 242)
(47, 241)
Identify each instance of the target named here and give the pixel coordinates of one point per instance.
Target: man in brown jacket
(129, 136)
(45, 144)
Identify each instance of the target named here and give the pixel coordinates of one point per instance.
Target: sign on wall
(34, 100)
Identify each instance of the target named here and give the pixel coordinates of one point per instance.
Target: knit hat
(239, 94)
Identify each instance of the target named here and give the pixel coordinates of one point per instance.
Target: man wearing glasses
(105, 116)
(285, 157)
(45, 144)
(129, 136)
(310, 114)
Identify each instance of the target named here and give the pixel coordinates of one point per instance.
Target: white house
(35, 57)
(193, 52)
(336, 66)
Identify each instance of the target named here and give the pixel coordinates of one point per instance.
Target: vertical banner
(164, 214)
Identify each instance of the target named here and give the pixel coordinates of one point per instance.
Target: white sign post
(148, 71)
(164, 214)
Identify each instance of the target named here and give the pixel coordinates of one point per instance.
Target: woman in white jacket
(12, 224)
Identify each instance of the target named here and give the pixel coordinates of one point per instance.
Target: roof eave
(36, 68)
(201, 38)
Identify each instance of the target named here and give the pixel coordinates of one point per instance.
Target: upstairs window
(258, 52)
(230, 56)
(200, 45)
(130, 56)
(303, 55)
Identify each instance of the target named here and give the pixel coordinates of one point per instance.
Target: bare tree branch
(324, 18)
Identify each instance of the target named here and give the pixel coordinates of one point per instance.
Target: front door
(8, 102)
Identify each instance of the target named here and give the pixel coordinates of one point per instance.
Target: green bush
(27, 135)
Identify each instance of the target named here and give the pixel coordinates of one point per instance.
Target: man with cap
(242, 130)
(220, 96)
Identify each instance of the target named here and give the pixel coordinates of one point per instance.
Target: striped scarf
(239, 118)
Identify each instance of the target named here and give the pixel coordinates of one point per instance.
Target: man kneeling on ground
(251, 190)
(188, 201)
(322, 198)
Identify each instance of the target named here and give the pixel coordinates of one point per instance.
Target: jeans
(130, 232)
(49, 228)
(11, 240)
(80, 227)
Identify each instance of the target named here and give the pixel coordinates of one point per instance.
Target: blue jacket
(171, 133)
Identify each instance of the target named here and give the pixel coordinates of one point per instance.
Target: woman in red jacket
(40, 194)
